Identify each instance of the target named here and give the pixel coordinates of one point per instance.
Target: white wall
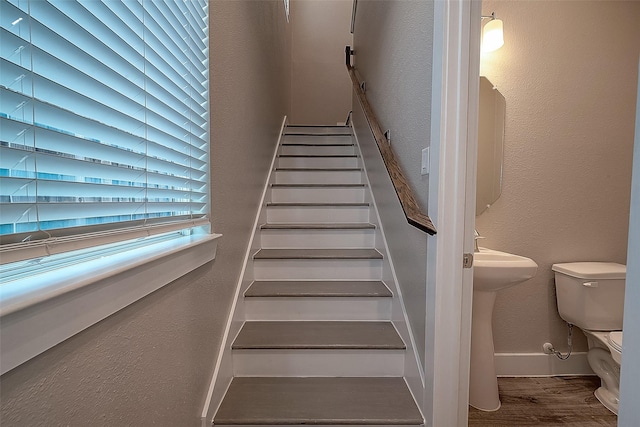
(568, 71)
(149, 364)
(320, 84)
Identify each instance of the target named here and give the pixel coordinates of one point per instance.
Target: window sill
(39, 312)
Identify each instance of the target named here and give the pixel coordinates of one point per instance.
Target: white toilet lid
(615, 339)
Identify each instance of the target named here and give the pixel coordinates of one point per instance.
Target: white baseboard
(413, 371)
(541, 365)
(223, 371)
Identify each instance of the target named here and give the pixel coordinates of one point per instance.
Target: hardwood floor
(567, 401)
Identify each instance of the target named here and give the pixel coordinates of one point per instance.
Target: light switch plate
(425, 161)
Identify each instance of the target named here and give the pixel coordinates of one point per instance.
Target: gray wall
(568, 71)
(150, 363)
(393, 45)
(320, 85)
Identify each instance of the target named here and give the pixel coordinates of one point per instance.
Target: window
(104, 115)
(103, 122)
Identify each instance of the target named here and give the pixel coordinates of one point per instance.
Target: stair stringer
(223, 371)
(413, 371)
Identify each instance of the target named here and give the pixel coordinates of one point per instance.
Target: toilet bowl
(605, 362)
(590, 295)
(614, 342)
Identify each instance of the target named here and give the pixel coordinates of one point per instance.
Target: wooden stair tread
(318, 288)
(316, 400)
(317, 254)
(319, 226)
(318, 335)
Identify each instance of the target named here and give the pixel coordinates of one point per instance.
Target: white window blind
(103, 122)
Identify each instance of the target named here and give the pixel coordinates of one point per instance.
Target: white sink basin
(494, 270)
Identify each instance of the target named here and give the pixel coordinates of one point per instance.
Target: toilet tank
(590, 295)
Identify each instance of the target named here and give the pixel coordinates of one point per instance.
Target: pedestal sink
(492, 270)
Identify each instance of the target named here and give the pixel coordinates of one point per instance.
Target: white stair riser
(329, 425)
(311, 214)
(317, 195)
(318, 308)
(317, 162)
(321, 150)
(284, 269)
(319, 177)
(318, 363)
(318, 139)
(317, 239)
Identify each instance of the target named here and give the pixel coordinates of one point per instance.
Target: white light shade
(492, 35)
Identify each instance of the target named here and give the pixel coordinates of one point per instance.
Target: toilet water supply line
(560, 356)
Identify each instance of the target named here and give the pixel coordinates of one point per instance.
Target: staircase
(317, 345)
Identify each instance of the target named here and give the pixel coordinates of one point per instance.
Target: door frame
(456, 70)
(629, 412)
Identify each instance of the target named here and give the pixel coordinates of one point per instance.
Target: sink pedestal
(483, 383)
(492, 271)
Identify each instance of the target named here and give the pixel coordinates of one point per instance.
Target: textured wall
(568, 71)
(320, 85)
(393, 45)
(150, 363)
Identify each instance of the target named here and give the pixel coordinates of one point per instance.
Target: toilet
(590, 295)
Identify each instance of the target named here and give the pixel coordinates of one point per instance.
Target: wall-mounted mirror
(490, 145)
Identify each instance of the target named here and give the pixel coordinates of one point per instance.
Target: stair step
(318, 226)
(310, 193)
(317, 268)
(317, 142)
(317, 212)
(317, 236)
(318, 176)
(328, 148)
(301, 138)
(314, 335)
(318, 300)
(317, 161)
(317, 130)
(317, 309)
(318, 363)
(317, 288)
(318, 401)
(318, 169)
(331, 186)
(322, 254)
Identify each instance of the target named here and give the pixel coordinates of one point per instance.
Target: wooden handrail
(412, 211)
